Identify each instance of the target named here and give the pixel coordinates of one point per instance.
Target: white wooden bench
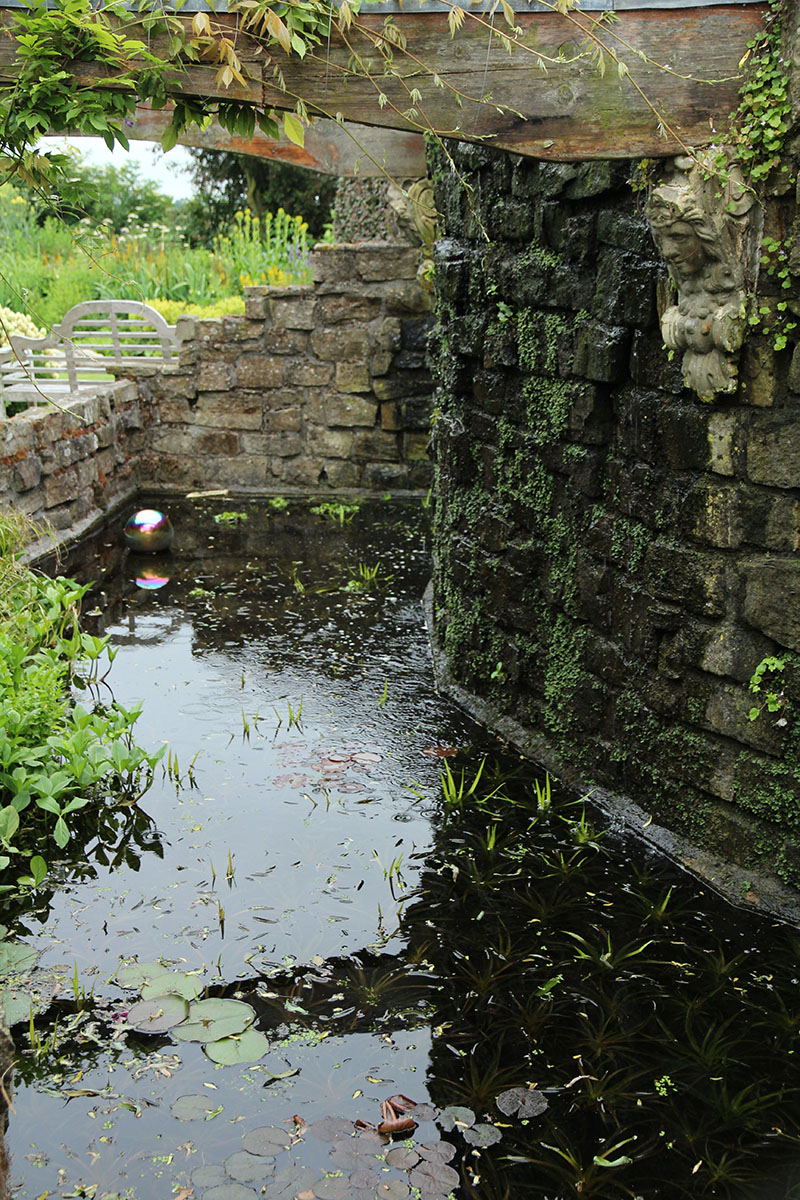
(93, 343)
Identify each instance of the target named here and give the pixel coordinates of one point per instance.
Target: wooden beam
(349, 149)
(470, 87)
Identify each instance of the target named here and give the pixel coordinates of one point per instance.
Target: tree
(225, 182)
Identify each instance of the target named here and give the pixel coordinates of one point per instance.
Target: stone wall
(319, 387)
(614, 559)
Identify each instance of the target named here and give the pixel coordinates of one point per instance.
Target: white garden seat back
(87, 347)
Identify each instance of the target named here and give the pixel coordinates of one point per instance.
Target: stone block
(173, 441)
(352, 377)
(406, 299)
(304, 373)
(783, 524)
(380, 362)
(772, 599)
(376, 262)
(350, 411)
(721, 430)
(293, 312)
(287, 341)
(255, 304)
(601, 352)
(27, 473)
(278, 443)
(625, 289)
(415, 447)
(627, 230)
(175, 386)
(395, 387)
(229, 410)
(339, 473)
(341, 344)
(730, 650)
(284, 420)
(215, 441)
(60, 488)
(389, 334)
(303, 471)
(215, 377)
(333, 264)
(377, 445)
(794, 371)
(385, 477)
(245, 470)
(259, 371)
(727, 714)
(757, 375)
(241, 329)
(773, 454)
(688, 578)
(329, 443)
(650, 364)
(347, 307)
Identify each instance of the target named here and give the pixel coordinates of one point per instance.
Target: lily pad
(209, 1176)
(522, 1102)
(136, 975)
(246, 1168)
(14, 956)
(456, 1117)
(331, 1188)
(154, 1016)
(15, 1006)
(440, 1152)
(174, 983)
(212, 1031)
(267, 1141)
(247, 1047)
(482, 1135)
(330, 1128)
(206, 1011)
(229, 1191)
(195, 1107)
(434, 1179)
(402, 1157)
(288, 1183)
(393, 1189)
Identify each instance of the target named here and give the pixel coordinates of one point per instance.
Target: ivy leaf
(169, 138)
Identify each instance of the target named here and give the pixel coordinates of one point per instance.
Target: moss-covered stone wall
(614, 559)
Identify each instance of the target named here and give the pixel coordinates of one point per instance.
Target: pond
(342, 903)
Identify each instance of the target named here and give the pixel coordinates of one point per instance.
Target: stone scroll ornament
(705, 229)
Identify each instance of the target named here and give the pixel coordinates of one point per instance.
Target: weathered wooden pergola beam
(537, 100)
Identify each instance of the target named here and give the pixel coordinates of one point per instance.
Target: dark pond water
(568, 1013)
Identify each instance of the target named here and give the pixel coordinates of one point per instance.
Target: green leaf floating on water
(14, 956)
(15, 1006)
(196, 1107)
(174, 983)
(246, 1047)
(211, 1020)
(136, 975)
(158, 1014)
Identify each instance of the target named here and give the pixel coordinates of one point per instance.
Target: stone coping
(753, 891)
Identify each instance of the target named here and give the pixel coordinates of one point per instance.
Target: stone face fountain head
(148, 531)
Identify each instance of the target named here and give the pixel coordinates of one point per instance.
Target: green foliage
(57, 757)
(227, 183)
(763, 117)
(361, 210)
(230, 518)
(334, 510)
(768, 698)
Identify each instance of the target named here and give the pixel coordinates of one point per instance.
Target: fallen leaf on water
(440, 751)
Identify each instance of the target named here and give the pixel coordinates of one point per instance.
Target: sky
(165, 170)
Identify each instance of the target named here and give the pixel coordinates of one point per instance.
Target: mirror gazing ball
(148, 531)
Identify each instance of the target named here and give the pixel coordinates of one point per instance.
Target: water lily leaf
(400, 1156)
(246, 1168)
(245, 1047)
(524, 1102)
(209, 1176)
(135, 975)
(330, 1128)
(220, 1009)
(211, 1031)
(174, 983)
(482, 1135)
(425, 1112)
(454, 1116)
(266, 1141)
(15, 1006)
(195, 1107)
(288, 1183)
(158, 1014)
(436, 1151)
(331, 1188)
(434, 1179)
(14, 956)
(229, 1191)
(393, 1189)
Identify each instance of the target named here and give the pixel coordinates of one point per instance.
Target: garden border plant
(58, 758)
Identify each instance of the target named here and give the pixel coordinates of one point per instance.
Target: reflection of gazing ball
(148, 531)
(151, 578)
